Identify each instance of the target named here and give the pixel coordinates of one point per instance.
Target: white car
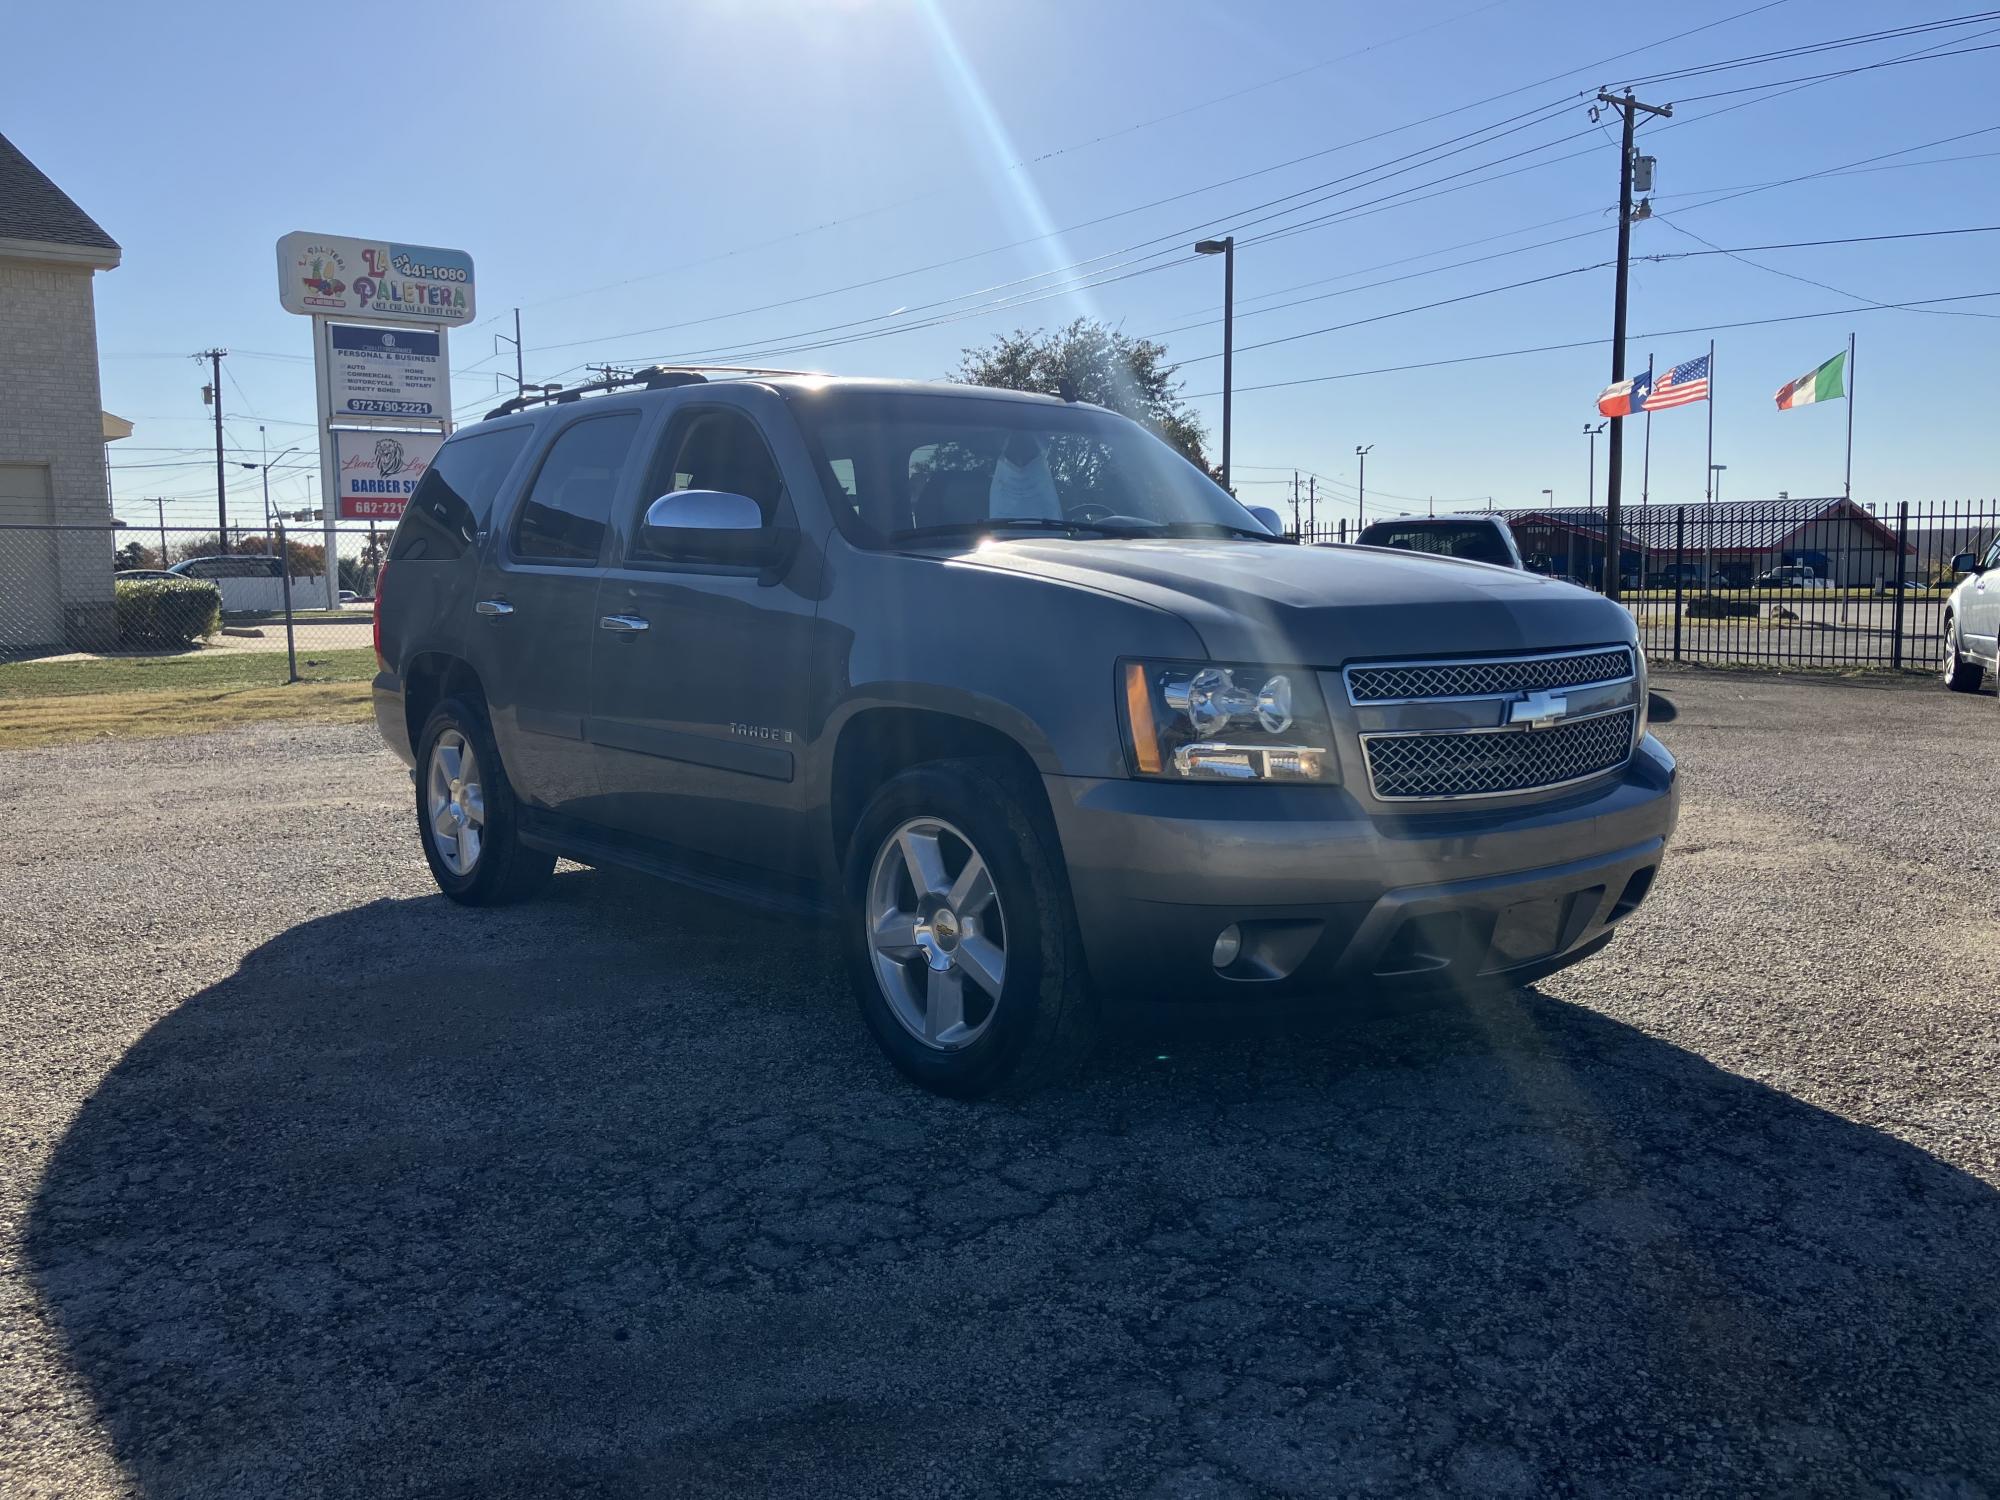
(1972, 621)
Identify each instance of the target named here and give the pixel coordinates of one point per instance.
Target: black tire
(1960, 675)
(1042, 1024)
(504, 869)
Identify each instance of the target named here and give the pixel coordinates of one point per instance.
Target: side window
(1993, 554)
(563, 518)
(452, 502)
(711, 449)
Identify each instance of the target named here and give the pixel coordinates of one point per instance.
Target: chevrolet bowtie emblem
(1537, 710)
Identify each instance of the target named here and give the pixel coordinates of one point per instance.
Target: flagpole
(1847, 487)
(1708, 478)
(1646, 468)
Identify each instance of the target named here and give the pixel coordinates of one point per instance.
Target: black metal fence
(1789, 583)
(89, 606)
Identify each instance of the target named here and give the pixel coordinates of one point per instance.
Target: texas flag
(1627, 398)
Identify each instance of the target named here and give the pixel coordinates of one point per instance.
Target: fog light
(1227, 946)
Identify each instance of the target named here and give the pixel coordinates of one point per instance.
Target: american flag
(1680, 386)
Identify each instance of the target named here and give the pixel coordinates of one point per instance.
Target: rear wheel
(1960, 675)
(467, 817)
(961, 938)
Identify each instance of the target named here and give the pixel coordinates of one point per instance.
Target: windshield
(906, 467)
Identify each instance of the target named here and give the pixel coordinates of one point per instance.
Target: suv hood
(1322, 606)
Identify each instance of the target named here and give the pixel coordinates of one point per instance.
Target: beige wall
(51, 417)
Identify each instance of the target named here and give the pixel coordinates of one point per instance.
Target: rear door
(698, 682)
(532, 636)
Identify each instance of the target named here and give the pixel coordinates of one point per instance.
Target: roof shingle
(34, 208)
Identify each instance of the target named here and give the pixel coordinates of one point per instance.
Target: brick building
(55, 587)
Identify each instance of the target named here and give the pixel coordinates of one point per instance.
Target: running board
(716, 877)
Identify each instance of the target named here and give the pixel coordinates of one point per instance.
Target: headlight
(1194, 721)
(1643, 679)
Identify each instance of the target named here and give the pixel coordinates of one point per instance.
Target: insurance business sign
(386, 374)
(379, 470)
(330, 275)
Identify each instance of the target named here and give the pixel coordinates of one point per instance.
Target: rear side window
(563, 518)
(452, 502)
(1475, 543)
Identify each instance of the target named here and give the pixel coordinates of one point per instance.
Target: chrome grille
(1486, 763)
(1404, 682)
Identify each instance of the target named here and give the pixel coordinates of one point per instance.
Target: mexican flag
(1827, 383)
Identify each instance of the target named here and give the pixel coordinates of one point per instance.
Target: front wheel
(466, 814)
(1960, 675)
(961, 937)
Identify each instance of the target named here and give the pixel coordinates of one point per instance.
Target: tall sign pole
(381, 312)
(1628, 108)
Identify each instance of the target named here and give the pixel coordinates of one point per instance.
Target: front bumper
(1326, 894)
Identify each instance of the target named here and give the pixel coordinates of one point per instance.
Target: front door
(532, 641)
(1981, 626)
(698, 681)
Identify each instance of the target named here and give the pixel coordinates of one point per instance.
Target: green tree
(136, 555)
(1100, 364)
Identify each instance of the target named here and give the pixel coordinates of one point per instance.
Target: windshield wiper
(1216, 528)
(1003, 523)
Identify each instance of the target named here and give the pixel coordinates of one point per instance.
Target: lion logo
(388, 457)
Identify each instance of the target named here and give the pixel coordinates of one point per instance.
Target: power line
(1466, 359)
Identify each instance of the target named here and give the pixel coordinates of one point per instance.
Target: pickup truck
(1004, 687)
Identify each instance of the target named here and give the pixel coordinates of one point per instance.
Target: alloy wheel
(937, 937)
(455, 802)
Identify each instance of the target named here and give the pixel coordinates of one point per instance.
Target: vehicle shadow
(610, 1194)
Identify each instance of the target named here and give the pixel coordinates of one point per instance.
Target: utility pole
(214, 358)
(1628, 109)
(1361, 488)
(1312, 501)
(520, 378)
(160, 509)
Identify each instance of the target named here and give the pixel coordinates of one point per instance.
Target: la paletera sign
(330, 275)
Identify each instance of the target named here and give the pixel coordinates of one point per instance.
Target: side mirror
(1965, 562)
(711, 526)
(1268, 518)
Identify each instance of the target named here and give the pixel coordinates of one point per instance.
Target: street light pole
(1590, 481)
(1361, 489)
(1226, 248)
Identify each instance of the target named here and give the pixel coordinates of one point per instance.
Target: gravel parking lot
(313, 1184)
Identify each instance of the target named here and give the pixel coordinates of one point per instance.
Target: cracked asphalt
(314, 1185)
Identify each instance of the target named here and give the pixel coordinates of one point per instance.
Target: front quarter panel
(1032, 658)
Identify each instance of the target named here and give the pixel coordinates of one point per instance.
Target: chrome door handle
(624, 624)
(493, 609)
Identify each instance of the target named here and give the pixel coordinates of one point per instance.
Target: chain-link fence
(101, 609)
(1788, 583)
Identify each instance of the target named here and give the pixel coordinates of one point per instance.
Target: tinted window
(1477, 543)
(716, 450)
(452, 502)
(711, 450)
(563, 518)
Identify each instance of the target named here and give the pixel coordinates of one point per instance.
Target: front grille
(1485, 763)
(1407, 681)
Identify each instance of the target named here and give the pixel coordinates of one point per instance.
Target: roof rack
(654, 378)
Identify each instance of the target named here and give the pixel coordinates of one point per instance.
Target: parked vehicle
(137, 575)
(1971, 627)
(1791, 576)
(348, 596)
(251, 582)
(1038, 712)
(1486, 539)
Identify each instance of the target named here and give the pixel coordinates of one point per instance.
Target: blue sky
(630, 166)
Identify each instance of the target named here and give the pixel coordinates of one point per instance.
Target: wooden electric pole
(1628, 109)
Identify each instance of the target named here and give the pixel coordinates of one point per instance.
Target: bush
(166, 612)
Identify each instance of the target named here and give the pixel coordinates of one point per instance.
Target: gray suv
(1038, 713)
